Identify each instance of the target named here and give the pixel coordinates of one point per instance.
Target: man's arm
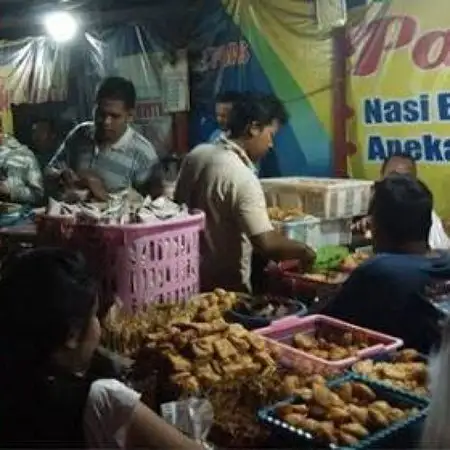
(251, 210)
(148, 174)
(59, 163)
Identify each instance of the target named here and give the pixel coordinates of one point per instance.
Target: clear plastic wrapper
(193, 416)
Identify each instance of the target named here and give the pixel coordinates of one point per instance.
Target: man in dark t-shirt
(388, 292)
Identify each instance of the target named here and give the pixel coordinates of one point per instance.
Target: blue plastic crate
(393, 396)
(254, 322)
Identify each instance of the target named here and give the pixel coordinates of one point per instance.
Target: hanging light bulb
(61, 26)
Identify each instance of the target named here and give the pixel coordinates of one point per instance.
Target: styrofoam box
(316, 232)
(328, 198)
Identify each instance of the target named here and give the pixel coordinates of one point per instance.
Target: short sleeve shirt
(108, 412)
(219, 179)
(130, 162)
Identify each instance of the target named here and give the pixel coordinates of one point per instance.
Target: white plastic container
(305, 229)
(335, 232)
(327, 198)
(316, 232)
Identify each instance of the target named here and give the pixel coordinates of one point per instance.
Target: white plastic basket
(327, 198)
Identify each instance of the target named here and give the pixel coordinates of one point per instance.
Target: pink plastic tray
(282, 332)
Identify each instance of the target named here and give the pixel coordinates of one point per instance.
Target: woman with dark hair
(48, 333)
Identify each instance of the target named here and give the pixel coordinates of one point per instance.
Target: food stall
(271, 374)
(305, 381)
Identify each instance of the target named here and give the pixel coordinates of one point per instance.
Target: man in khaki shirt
(220, 179)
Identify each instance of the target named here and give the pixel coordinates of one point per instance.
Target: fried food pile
(331, 277)
(126, 333)
(405, 371)
(331, 343)
(343, 415)
(196, 355)
(284, 214)
(236, 404)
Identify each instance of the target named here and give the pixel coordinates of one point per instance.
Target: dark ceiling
(20, 18)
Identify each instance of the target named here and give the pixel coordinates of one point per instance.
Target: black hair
(404, 156)
(228, 97)
(45, 294)
(402, 206)
(255, 108)
(117, 88)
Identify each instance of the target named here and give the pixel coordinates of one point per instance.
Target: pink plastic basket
(140, 263)
(282, 331)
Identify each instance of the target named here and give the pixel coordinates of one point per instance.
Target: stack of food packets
(118, 210)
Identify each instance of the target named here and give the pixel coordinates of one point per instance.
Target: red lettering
(216, 57)
(429, 51)
(244, 53)
(227, 55)
(384, 35)
(232, 54)
(432, 50)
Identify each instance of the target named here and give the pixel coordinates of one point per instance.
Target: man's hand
(277, 247)
(306, 259)
(90, 180)
(69, 178)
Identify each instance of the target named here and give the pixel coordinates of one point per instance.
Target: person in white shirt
(221, 179)
(404, 164)
(49, 331)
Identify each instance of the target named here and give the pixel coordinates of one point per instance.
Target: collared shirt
(20, 171)
(220, 180)
(215, 135)
(130, 162)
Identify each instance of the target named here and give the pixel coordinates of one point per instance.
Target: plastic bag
(194, 417)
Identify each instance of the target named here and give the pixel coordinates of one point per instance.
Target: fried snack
(284, 214)
(404, 371)
(359, 414)
(225, 349)
(345, 391)
(377, 419)
(321, 395)
(331, 344)
(178, 363)
(209, 314)
(306, 394)
(304, 342)
(407, 355)
(205, 372)
(337, 414)
(355, 429)
(346, 439)
(256, 342)
(363, 392)
(325, 432)
(285, 410)
(236, 330)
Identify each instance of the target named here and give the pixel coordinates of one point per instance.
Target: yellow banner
(399, 90)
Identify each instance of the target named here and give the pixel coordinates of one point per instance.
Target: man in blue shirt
(224, 105)
(387, 293)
